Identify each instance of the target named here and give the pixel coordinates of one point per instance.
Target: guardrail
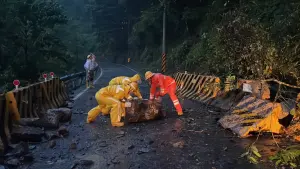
(34, 100)
(247, 102)
(75, 80)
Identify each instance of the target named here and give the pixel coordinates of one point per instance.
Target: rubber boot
(91, 85)
(87, 84)
(123, 109)
(89, 121)
(117, 124)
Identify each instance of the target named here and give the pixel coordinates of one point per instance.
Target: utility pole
(128, 34)
(164, 57)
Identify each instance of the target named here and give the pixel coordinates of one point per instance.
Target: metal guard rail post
(75, 80)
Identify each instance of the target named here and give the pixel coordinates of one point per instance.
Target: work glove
(162, 92)
(150, 101)
(158, 99)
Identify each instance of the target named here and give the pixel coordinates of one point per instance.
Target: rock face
(143, 111)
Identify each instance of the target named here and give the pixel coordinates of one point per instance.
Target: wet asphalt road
(194, 141)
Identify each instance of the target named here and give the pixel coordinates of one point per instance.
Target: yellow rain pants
(104, 101)
(105, 110)
(109, 98)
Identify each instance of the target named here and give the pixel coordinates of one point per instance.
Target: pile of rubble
(34, 130)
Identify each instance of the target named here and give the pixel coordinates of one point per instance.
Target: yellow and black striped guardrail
(248, 112)
(33, 101)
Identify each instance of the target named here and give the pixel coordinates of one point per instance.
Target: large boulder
(51, 119)
(26, 133)
(143, 110)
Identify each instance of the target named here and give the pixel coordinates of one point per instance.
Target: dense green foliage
(41, 36)
(287, 157)
(217, 37)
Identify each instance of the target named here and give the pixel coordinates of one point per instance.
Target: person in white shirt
(90, 67)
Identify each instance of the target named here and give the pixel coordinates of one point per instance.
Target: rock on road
(193, 141)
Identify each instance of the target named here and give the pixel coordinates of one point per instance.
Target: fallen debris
(143, 150)
(63, 131)
(19, 150)
(294, 129)
(120, 134)
(136, 129)
(52, 144)
(13, 162)
(27, 158)
(196, 131)
(82, 163)
(26, 133)
(131, 147)
(50, 119)
(115, 160)
(51, 135)
(103, 144)
(149, 140)
(32, 147)
(73, 146)
(179, 144)
(67, 114)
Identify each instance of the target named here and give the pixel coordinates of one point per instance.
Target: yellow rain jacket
(124, 80)
(116, 91)
(110, 97)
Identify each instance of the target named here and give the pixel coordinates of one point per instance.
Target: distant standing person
(95, 63)
(90, 67)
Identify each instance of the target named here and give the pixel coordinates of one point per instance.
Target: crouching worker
(166, 84)
(110, 97)
(123, 80)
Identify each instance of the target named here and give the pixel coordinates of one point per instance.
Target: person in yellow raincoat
(111, 96)
(123, 80)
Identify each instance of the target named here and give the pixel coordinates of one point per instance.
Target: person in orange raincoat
(166, 84)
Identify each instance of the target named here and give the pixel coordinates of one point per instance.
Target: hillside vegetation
(250, 39)
(42, 36)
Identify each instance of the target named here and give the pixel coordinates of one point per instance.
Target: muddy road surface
(193, 141)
